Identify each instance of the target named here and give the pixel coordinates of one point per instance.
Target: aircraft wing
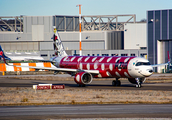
(52, 68)
(158, 65)
(59, 69)
(39, 60)
(163, 64)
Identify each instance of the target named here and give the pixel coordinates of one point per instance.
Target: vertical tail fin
(3, 55)
(169, 62)
(58, 46)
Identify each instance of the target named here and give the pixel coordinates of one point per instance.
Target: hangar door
(37, 32)
(163, 46)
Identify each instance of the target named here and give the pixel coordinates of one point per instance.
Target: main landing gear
(79, 85)
(116, 82)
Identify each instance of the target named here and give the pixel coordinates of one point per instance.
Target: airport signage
(48, 86)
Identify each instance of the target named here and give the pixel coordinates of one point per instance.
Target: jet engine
(83, 78)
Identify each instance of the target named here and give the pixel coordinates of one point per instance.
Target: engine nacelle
(83, 78)
(135, 80)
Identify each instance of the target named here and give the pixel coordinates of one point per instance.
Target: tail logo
(55, 30)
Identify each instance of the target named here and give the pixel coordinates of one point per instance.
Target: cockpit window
(142, 63)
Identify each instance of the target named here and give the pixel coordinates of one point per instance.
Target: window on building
(143, 48)
(132, 54)
(76, 54)
(143, 54)
(44, 55)
(105, 54)
(124, 54)
(114, 54)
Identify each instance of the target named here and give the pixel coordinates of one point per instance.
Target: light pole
(80, 45)
(138, 49)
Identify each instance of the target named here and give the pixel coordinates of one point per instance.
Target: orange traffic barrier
(4, 67)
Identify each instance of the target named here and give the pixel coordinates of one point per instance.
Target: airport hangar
(159, 36)
(105, 35)
(101, 35)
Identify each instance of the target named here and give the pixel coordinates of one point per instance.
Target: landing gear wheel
(118, 83)
(81, 85)
(139, 82)
(138, 86)
(114, 83)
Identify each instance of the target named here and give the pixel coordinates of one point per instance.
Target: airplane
(19, 58)
(85, 68)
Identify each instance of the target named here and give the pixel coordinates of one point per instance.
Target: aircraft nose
(149, 72)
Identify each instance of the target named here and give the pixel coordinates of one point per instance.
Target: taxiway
(96, 84)
(87, 111)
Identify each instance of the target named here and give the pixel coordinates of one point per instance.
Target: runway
(87, 111)
(100, 84)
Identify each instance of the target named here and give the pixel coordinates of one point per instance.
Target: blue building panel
(159, 27)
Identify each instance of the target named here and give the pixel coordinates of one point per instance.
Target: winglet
(2, 54)
(168, 57)
(6, 58)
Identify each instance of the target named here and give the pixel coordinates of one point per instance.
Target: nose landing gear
(139, 82)
(138, 86)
